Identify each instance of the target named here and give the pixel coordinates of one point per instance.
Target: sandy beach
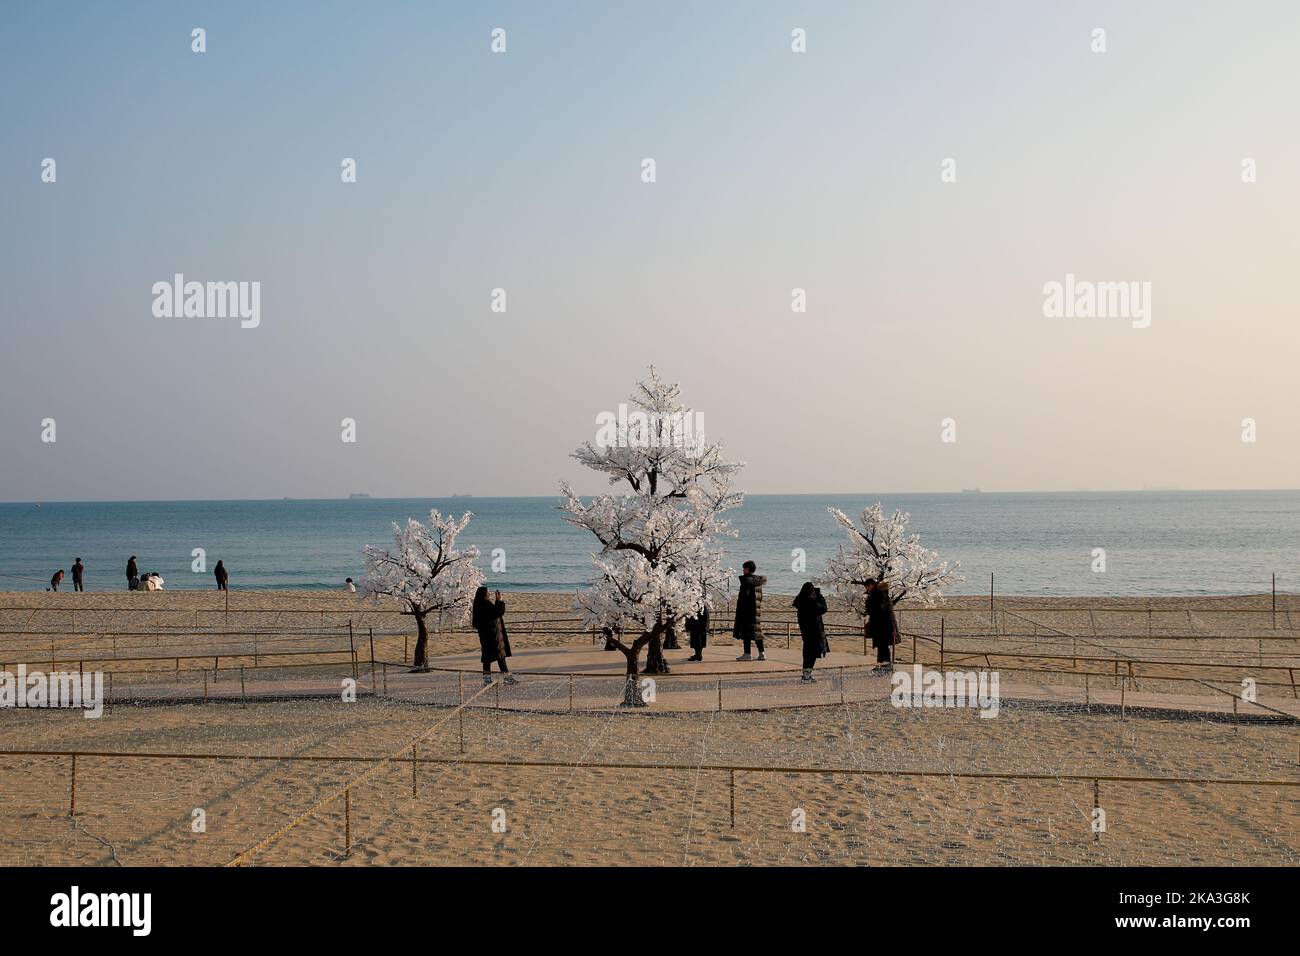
(532, 783)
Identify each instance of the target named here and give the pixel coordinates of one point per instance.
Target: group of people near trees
(810, 608)
(747, 627)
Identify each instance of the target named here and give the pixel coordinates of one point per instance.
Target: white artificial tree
(660, 560)
(426, 573)
(882, 549)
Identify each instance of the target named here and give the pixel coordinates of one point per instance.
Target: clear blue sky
(775, 170)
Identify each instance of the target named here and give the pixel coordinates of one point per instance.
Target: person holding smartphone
(489, 619)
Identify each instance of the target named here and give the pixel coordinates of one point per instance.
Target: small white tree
(426, 573)
(659, 560)
(882, 549)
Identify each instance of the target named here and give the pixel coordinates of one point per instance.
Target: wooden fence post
(1096, 805)
(347, 822)
(373, 688)
(733, 798)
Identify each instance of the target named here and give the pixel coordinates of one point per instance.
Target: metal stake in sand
(570, 693)
(72, 792)
(415, 780)
(460, 711)
(719, 693)
(242, 695)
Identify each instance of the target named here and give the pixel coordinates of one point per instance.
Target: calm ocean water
(1037, 544)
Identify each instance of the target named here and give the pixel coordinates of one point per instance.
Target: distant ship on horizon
(462, 496)
(358, 494)
(971, 491)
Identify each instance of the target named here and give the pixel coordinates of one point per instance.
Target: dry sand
(140, 810)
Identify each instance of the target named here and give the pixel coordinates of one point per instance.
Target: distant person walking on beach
(132, 575)
(56, 580)
(78, 569)
(882, 625)
(697, 628)
(223, 579)
(349, 586)
(748, 627)
(810, 606)
(489, 619)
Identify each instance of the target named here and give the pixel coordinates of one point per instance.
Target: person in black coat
(132, 574)
(489, 619)
(78, 569)
(697, 627)
(748, 626)
(810, 606)
(882, 625)
(223, 578)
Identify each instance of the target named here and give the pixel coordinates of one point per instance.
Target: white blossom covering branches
(659, 560)
(882, 549)
(425, 572)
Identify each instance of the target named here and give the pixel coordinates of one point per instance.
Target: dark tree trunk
(421, 645)
(655, 663)
(670, 639)
(631, 686)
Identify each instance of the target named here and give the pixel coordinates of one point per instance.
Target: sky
(523, 171)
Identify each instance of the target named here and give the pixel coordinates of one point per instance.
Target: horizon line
(757, 494)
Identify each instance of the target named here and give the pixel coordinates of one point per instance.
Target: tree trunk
(631, 686)
(670, 640)
(655, 663)
(421, 663)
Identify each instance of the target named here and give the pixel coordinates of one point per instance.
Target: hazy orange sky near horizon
(775, 170)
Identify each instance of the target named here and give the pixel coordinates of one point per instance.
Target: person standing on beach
(223, 579)
(882, 625)
(78, 569)
(132, 574)
(810, 606)
(697, 628)
(489, 619)
(56, 580)
(748, 626)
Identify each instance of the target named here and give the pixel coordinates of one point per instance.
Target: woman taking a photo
(489, 619)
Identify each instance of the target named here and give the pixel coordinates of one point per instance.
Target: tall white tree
(426, 573)
(883, 550)
(660, 560)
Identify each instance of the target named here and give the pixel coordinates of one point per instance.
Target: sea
(1025, 544)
